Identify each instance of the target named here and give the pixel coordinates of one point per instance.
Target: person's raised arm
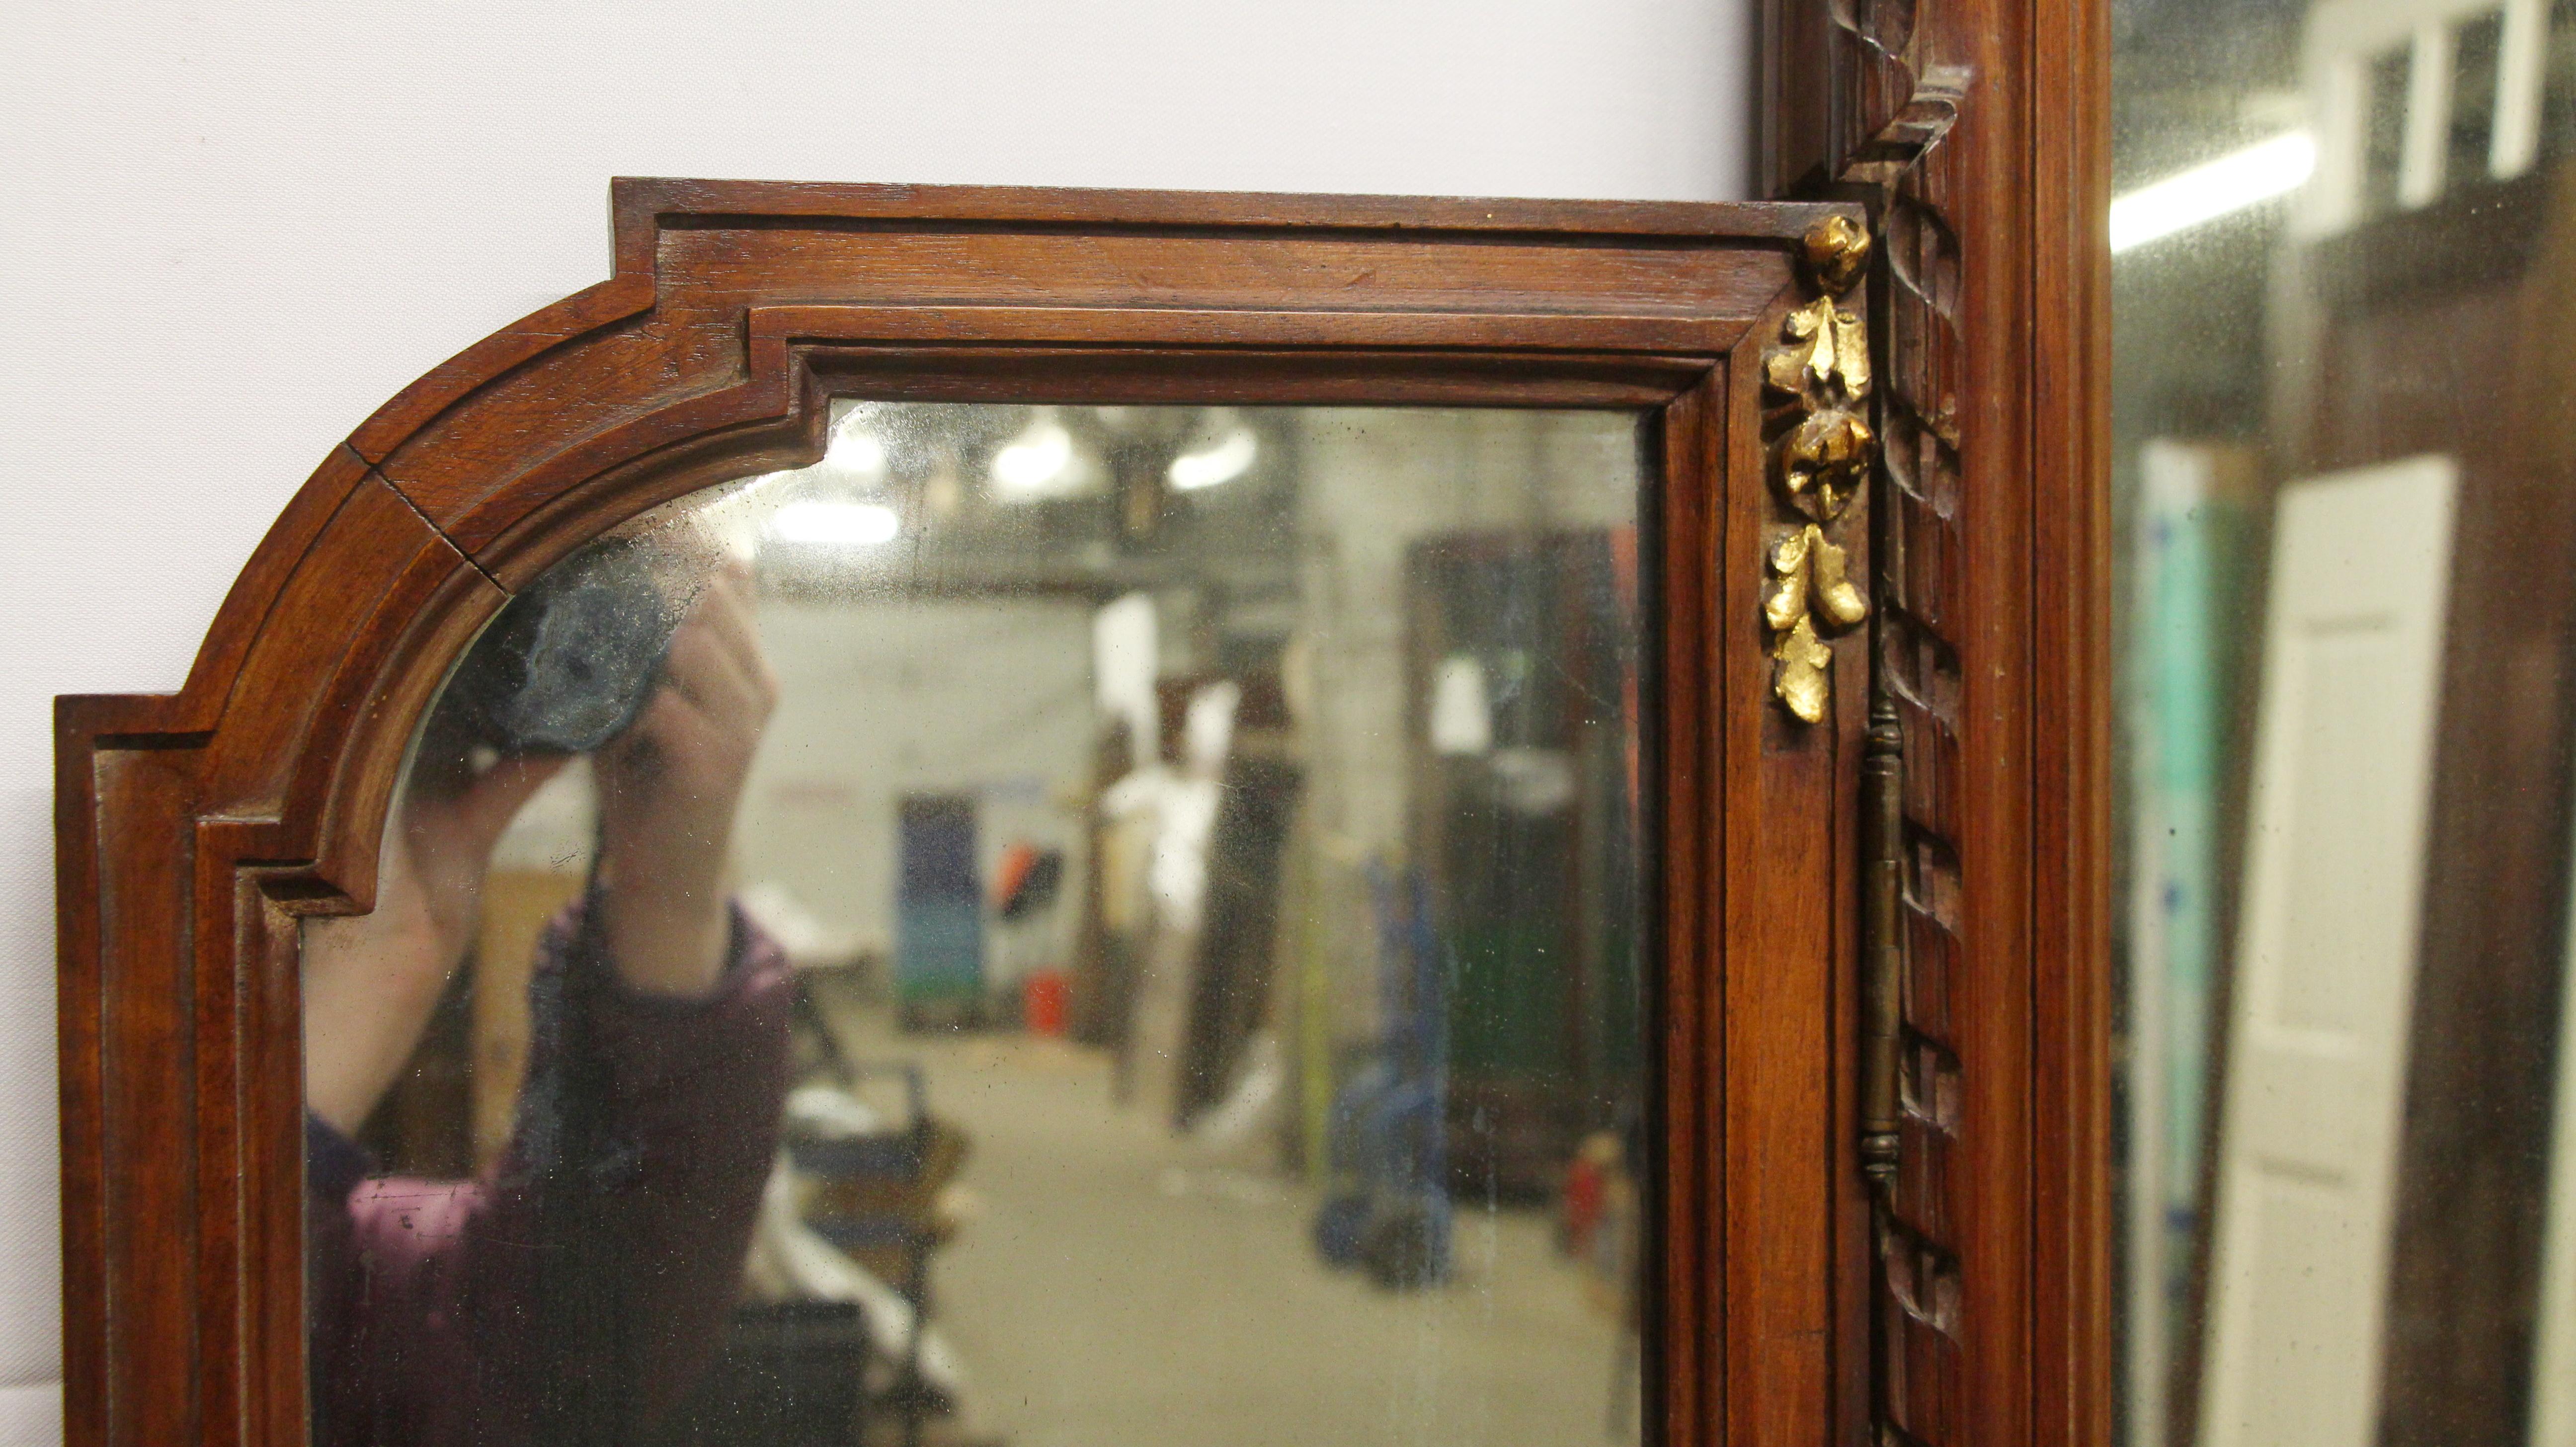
(371, 981)
(667, 791)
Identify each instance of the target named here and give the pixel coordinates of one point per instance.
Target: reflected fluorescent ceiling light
(836, 524)
(1228, 456)
(854, 452)
(1041, 463)
(858, 454)
(2223, 187)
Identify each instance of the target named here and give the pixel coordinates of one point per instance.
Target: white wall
(230, 231)
(1006, 715)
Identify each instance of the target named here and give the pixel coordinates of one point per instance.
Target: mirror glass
(2344, 332)
(1051, 925)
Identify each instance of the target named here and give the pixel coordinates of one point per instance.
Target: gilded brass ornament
(1837, 251)
(1822, 450)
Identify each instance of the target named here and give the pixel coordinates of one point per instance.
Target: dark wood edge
(1690, 1246)
(1637, 330)
(80, 1028)
(1795, 99)
(641, 205)
(2071, 713)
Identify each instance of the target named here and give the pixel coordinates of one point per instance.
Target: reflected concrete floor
(1115, 1286)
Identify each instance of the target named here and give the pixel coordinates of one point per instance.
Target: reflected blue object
(939, 908)
(1389, 1213)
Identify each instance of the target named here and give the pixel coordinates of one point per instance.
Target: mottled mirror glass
(1053, 925)
(2344, 375)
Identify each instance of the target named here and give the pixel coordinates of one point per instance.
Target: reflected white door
(2316, 1052)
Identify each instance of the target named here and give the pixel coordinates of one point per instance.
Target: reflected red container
(1042, 1001)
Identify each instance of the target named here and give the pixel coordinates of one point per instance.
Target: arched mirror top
(737, 308)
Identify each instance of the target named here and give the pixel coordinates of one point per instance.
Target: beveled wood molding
(196, 829)
(1976, 131)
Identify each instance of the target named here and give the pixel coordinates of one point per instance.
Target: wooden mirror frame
(194, 829)
(197, 829)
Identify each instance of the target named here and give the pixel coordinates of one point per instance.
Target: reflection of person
(569, 1295)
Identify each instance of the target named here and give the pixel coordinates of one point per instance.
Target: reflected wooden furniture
(1526, 842)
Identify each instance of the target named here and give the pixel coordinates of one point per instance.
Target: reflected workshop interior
(2343, 298)
(1170, 965)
